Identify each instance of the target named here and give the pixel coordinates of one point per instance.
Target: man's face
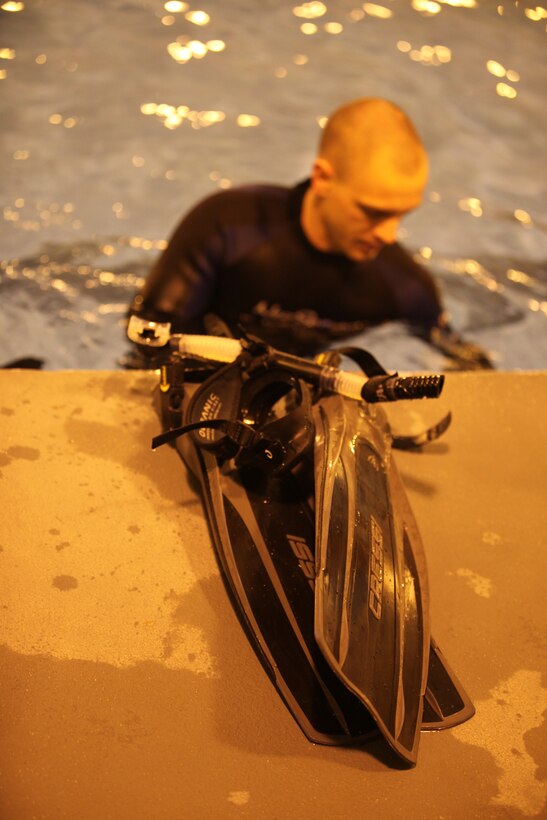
(357, 223)
(359, 216)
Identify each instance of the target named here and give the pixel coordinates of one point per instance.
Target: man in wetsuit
(305, 266)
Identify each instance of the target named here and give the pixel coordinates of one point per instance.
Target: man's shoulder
(259, 204)
(251, 194)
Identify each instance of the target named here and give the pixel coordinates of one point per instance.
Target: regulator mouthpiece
(395, 388)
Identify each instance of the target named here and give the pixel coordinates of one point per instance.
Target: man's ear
(322, 176)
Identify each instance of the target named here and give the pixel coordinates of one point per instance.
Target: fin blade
(385, 656)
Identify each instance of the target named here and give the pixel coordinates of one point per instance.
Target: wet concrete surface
(128, 686)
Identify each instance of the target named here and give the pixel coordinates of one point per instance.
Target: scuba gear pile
(313, 532)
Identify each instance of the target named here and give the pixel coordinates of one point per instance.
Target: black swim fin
(263, 530)
(371, 600)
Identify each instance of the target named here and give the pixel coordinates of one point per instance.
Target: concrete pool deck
(128, 687)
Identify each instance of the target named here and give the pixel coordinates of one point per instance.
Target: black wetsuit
(243, 255)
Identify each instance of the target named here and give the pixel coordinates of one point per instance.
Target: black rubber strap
(366, 361)
(419, 439)
(239, 433)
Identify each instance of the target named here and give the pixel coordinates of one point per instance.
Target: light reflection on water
(95, 180)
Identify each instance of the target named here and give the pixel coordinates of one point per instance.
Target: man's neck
(311, 224)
